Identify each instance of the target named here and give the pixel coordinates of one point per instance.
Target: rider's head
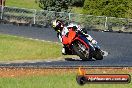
(57, 25)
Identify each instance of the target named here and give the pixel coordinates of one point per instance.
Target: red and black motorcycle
(79, 45)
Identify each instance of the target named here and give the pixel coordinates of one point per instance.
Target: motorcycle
(78, 44)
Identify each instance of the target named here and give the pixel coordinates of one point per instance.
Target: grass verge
(31, 4)
(17, 48)
(57, 78)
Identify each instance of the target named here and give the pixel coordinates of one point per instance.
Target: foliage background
(110, 8)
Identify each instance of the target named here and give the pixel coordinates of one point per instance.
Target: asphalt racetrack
(118, 46)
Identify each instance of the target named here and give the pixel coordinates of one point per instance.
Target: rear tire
(80, 52)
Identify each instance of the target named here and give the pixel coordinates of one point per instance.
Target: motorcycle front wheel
(98, 55)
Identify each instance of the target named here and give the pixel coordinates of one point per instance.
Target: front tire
(98, 55)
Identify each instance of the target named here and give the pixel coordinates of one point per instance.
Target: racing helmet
(57, 25)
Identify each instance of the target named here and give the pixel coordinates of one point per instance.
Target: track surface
(118, 45)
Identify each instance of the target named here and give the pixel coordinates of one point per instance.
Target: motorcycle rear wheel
(82, 54)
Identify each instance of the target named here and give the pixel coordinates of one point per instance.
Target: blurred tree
(2, 2)
(113, 8)
(77, 3)
(60, 5)
(55, 5)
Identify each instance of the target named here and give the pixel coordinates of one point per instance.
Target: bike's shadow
(77, 59)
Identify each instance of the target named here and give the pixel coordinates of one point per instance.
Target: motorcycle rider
(62, 30)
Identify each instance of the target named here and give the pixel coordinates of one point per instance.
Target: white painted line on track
(48, 61)
(36, 39)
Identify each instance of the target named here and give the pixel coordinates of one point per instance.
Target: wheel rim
(83, 50)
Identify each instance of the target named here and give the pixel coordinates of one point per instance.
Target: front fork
(94, 49)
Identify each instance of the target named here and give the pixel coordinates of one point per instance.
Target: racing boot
(63, 51)
(66, 51)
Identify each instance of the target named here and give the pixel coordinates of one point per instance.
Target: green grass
(32, 5)
(23, 4)
(53, 81)
(16, 48)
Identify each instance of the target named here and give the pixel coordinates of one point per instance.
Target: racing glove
(94, 41)
(91, 39)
